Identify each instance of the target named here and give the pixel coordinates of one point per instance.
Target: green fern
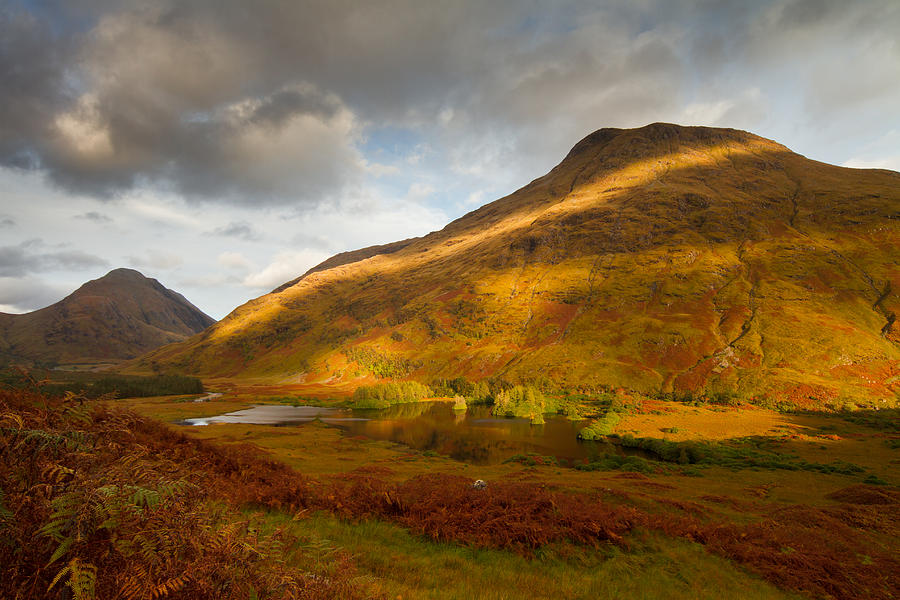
(82, 579)
(5, 514)
(76, 412)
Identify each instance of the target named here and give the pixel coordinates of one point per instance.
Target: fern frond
(82, 579)
(13, 418)
(56, 473)
(170, 585)
(4, 512)
(59, 576)
(79, 413)
(61, 550)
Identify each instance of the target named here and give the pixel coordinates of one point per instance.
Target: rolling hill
(660, 258)
(118, 316)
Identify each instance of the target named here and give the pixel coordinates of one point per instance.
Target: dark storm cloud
(32, 89)
(266, 102)
(31, 257)
(237, 229)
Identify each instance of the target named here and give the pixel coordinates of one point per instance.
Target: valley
(672, 363)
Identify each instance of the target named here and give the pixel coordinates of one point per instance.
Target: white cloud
(234, 260)
(285, 266)
(148, 206)
(888, 162)
(156, 259)
(476, 198)
(419, 192)
(380, 170)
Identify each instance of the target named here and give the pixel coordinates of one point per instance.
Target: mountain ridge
(659, 258)
(118, 316)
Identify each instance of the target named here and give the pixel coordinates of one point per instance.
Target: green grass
(402, 565)
(745, 453)
(600, 428)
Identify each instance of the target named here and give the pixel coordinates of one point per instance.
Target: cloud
(156, 260)
(217, 103)
(474, 199)
(24, 294)
(30, 257)
(234, 260)
(237, 229)
(284, 266)
(889, 162)
(420, 191)
(95, 217)
(7, 222)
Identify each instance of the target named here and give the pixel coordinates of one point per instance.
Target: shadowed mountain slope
(658, 258)
(121, 315)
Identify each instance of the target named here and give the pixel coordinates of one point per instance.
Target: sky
(224, 147)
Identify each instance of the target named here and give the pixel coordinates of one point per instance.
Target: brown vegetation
(115, 505)
(101, 503)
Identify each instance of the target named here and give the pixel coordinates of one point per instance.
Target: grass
(409, 567)
(746, 453)
(749, 501)
(601, 427)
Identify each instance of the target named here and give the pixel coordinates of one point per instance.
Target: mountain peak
(661, 138)
(657, 258)
(117, 316)
(123, 272)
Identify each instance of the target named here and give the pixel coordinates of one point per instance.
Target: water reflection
(474, 436)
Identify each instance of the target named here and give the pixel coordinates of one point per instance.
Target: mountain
(121, 315)
(659, 258)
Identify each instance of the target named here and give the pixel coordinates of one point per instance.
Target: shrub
(601, 427)
(614, 462)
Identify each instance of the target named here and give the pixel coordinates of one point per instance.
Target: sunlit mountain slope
(658, 258)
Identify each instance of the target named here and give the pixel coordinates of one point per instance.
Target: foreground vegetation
(100, 502)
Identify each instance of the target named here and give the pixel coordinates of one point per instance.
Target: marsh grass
(408, 566)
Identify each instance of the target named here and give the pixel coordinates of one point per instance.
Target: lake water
(474, 436)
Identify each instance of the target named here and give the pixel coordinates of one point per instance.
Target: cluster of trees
(380, 364)
(523, 401)
(382, 395)
(127, 386)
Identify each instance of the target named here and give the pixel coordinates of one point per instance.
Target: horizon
(224, 156)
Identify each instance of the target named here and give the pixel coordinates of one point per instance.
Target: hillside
(660, 258)
(120, 315)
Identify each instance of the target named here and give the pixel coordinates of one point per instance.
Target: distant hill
(660, 258)
(121, 315)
